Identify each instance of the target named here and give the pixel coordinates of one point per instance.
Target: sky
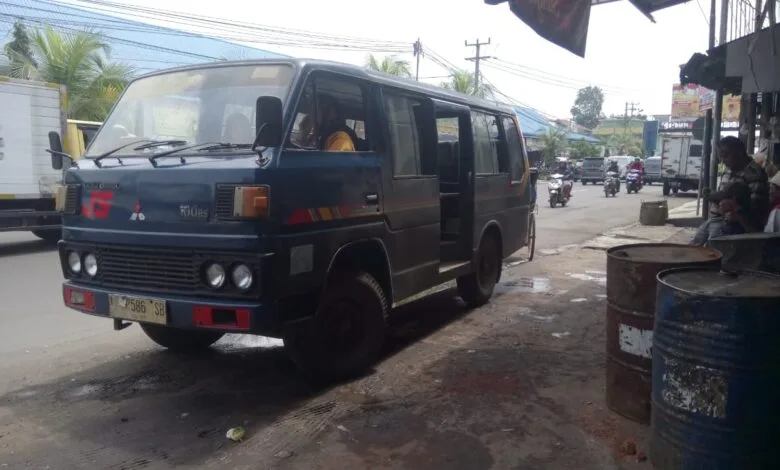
(631, 58)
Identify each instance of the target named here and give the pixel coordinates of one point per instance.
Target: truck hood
(174, 204)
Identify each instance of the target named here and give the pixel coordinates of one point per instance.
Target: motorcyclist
(614, 168)
(638, 166)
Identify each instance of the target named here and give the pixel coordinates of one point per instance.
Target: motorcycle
(611, 184)
(559, 190)
(633, 181)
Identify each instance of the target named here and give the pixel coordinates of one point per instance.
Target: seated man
(238, 129)
(742, 201)
(334, 134)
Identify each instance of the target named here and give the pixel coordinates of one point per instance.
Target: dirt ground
(517, 384)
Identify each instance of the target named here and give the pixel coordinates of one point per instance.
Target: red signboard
(562, 22)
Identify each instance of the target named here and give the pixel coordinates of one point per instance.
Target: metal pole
(706, 167)
(718, 112)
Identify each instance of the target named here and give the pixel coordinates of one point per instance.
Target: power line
(550, 78)
(286, 36)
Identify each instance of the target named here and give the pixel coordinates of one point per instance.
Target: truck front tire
(180, 340)
(346, 334)
(49, 236)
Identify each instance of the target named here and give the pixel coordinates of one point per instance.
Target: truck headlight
(215, 275)
(242, 276)
(90, 265)
(74, 262)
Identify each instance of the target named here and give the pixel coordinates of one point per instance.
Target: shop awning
(565, 22)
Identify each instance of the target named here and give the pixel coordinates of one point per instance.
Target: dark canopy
(565, 22)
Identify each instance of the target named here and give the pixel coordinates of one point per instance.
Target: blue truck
(288, 198)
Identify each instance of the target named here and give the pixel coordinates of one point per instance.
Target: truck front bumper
(227, 316)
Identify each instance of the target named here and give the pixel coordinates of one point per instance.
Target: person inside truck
(741, 203)
(335, 135)
(238, 129)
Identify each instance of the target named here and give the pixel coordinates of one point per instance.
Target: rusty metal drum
(631, 284)
(716, 371)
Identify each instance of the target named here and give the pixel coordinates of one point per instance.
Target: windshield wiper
(204, 147)
(145, 144)
(224, 146)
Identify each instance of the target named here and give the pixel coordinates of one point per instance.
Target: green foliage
(587, 107)
(582, 149)
(463, 82)
(19, 46)
(81, 62)
(553, 144)
(390, 65)
(626, 144)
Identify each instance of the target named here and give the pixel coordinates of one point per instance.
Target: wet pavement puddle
(525, 285)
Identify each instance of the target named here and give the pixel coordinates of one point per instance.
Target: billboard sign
(690, 101)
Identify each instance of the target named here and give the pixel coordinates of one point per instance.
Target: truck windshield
(214, 104)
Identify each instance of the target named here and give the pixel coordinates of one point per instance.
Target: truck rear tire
(346, 334)
(666, 189)
(477, 287)
(49, 236)
(180, 340)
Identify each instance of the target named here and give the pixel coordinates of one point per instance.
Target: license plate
(138, 309)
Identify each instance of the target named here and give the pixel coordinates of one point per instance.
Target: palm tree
(463, 82)
(80, 61)
(390, 65)
(553, 144)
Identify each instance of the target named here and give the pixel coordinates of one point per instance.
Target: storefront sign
(691, 102)
(687, 126)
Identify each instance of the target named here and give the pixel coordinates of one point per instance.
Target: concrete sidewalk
(636, 233)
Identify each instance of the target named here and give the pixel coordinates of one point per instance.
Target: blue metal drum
(716, 371)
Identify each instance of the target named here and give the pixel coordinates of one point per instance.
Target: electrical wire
(285, 36)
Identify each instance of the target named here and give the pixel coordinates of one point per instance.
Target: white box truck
(28, 112)
(681, 158)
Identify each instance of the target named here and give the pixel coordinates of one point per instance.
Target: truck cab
(215, 200)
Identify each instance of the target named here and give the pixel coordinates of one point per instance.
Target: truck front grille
(165, 270)
(152, 269)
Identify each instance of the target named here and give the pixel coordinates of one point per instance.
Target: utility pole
(477, 57)
(418, 52)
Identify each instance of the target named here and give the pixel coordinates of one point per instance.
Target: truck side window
(514, 149)
(348, 100)
(485, 143)
(405, 134)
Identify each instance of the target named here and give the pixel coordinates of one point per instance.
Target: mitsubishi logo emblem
(137, 214)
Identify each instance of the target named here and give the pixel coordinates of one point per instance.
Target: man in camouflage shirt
(741, 203)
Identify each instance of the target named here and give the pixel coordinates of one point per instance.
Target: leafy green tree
(553, 144)
(582, 149)
(390, 65)
(463, 82)
(81, 62)
(587, 107)
(626, 144)
(19, 47)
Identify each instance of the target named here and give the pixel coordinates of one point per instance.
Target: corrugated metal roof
(143, 46)
(535, 125)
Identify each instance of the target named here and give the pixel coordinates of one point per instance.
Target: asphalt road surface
(75, 394)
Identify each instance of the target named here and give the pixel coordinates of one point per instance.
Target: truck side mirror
(268, 122)
(55, 149)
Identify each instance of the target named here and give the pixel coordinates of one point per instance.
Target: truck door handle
(372, 198)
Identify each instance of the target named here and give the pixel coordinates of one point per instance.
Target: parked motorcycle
(611, 184)
(559, 190)
(633, 181)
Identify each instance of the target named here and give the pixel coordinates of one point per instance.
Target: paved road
(85, 381)
(589, 213)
